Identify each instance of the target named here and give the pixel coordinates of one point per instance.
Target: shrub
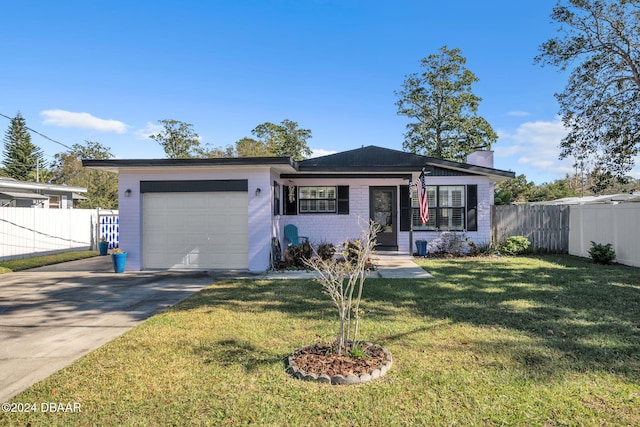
(295, 256)
(326, 250)
(486, 249)
(602, 254)
(450, 242)
(474, 250)
(516, 245)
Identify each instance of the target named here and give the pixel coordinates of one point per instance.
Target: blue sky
(108, 71)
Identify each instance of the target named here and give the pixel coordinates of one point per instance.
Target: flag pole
(411, 183)
(410, 218)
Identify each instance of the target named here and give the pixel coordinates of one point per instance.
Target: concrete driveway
(51, 316)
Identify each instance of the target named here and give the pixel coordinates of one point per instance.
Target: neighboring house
(23, 194)
(223, 213)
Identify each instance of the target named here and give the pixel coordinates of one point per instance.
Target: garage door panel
(200, 221)
(154, 203)
(195, 230)
(155, 222)
(156, 241)
(197, 203)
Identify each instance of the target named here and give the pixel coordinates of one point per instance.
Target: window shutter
(290, 208)
(276, 198)
(405, 208)
(343, 200)
(472, 207)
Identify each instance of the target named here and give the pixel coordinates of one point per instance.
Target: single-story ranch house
(25, 194)
(224, 213)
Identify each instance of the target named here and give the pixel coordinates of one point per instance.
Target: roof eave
(36, 186)
(114, 165)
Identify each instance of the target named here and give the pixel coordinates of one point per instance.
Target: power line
(42, 135)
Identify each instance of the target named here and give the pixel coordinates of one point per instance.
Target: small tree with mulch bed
(343, 280)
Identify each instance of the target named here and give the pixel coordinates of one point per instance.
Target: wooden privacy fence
(546, 226)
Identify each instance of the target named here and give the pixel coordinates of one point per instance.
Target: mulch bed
(321, 359)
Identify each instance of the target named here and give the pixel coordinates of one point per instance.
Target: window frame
(447, 216)
(316, 198)
(55, 201)
(290, 206)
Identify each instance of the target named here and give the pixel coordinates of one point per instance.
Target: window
(451, 208)
(54, 202)
(317, 199)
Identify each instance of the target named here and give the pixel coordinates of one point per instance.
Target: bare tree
(343, 277)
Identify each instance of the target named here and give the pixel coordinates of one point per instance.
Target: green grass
(39, 261)
(535, 341)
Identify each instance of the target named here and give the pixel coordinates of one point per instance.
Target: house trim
(194, 186)
(345, 175)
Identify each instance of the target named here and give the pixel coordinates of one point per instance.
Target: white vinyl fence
(616, 224)
(28, 232)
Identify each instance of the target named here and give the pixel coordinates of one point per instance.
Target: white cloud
(319, 152)
(82, 120)
(518, 113)
(535, 146)
(148, 130)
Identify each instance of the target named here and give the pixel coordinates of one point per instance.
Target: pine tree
(21, 158)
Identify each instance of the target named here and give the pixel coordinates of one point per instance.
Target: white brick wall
(335, 228)
(338, 228)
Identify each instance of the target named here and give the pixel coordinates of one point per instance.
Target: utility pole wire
(42, 135)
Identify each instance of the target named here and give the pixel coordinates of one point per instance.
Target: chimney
(482, 158)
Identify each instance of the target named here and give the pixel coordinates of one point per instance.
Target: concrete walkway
(389, 265)
(399, 265)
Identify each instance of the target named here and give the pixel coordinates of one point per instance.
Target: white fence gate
(26, 232)
(616, 224)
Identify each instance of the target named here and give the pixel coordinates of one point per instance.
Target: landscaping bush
(326, 250)
(295, 256)
(486, 249)
(516, 245)
(602, 254)
(452, 243)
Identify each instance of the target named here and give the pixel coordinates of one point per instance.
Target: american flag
(423, 200)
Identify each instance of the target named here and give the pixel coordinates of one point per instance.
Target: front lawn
(40, 261)
(511, 341)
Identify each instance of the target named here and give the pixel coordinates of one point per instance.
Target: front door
(383, 211)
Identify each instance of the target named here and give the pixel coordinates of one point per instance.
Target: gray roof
(379, 159)
(14, 195)
(361, 161)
